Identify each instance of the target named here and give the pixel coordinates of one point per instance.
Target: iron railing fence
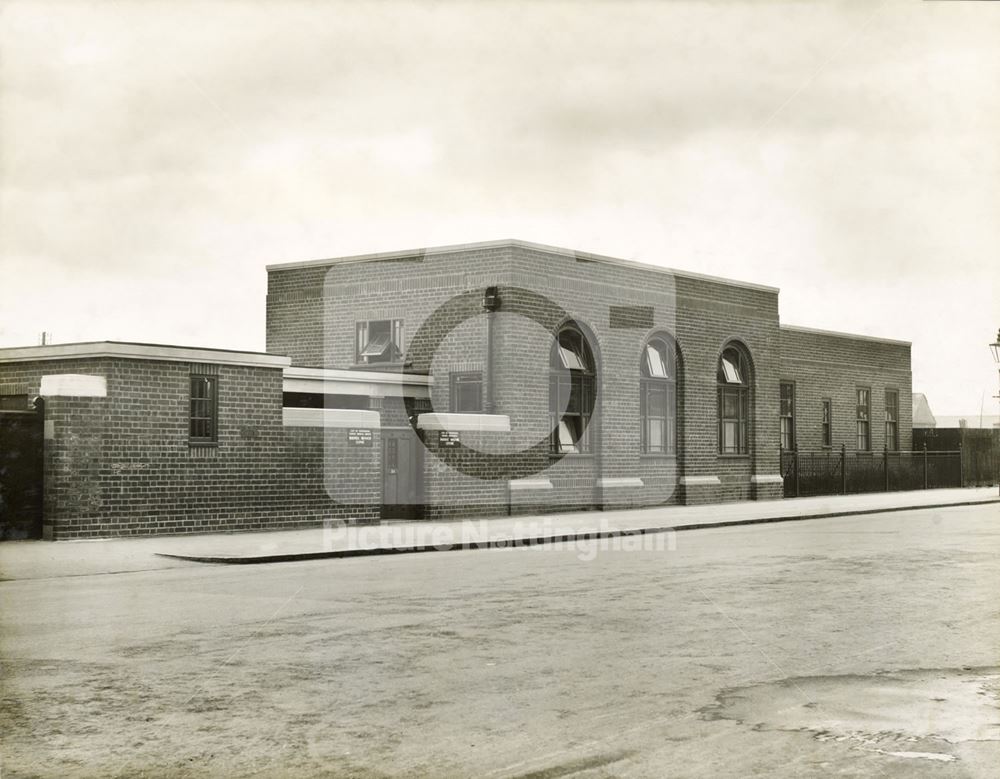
(829, 472)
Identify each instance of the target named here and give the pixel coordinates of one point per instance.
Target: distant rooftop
(922, 416)
(975, 421)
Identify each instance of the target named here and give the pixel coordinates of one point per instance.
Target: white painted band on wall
(479, 423)
(516, 485)
(767, 478)
(689, 481)
(620, 481)
(330, 417)
(73, 385)
(376, 384)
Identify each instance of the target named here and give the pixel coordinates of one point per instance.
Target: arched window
(658, 396)
(734, 401)
(571, 392)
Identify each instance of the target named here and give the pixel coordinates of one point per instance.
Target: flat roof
(141, 351)
(461, 247)
(852, 336)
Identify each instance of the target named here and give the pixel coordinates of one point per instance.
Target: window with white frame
(864, 413)
(571, 392)
(379, 341)
(733, 377)
(658, 397)
(787, 415)
(892, 420)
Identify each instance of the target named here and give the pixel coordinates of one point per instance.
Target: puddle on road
(891, 713)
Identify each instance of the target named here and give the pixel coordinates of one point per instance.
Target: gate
(21, 461)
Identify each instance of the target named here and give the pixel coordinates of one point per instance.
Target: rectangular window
(204, 410)
(734, 413)
(892, 420)
(657, 411)
(379, 341)
(466, 395)
(864, 438)
(787, 415)
(827, 429)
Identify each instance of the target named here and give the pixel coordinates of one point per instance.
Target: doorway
(21, 442)
(402, 474)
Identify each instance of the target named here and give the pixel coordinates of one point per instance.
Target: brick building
(471, 380)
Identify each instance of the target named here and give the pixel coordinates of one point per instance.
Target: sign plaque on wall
(448, 438)
(359, 436)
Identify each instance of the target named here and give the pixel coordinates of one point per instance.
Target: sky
(154, 157)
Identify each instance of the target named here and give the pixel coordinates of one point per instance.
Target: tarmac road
(852, 646)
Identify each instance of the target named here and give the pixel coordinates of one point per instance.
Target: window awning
(570, 359)
(377, 346)
(655, 363)
(731, 371)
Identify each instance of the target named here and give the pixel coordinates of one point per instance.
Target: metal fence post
(925, 465)
(885, 465)
(843, 469)
(795, 459)
(961, 465)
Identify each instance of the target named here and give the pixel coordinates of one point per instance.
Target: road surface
(841, 647)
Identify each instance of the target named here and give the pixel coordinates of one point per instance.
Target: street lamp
(995, 348)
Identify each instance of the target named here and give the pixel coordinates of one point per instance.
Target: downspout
(491, 303)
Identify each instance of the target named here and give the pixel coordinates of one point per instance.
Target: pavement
(41, 559)
(851, 646)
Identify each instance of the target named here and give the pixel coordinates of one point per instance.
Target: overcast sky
(154, 157)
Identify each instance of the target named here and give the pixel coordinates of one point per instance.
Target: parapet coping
(513, 242)
(140, 351)
(851, 336)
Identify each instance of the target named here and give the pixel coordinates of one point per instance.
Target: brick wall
(312, 313)
(459, 483)
(122, 465)
(827, 365)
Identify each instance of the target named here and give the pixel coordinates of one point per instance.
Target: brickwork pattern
(122, 465)
(701, 315)
(826, 366)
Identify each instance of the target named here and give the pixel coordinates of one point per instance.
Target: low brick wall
(122, 465)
